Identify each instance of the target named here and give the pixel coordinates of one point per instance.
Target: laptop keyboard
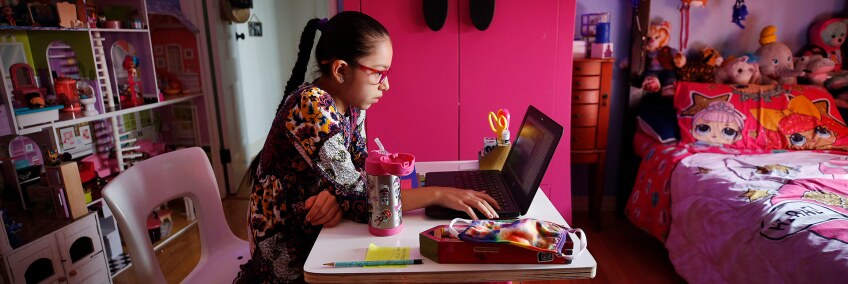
(487, 182)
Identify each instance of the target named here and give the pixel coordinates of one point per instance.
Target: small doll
(9, 15)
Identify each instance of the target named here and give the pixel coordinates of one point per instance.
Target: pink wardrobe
(444, 83)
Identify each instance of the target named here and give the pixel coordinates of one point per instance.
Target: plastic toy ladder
(103, 78)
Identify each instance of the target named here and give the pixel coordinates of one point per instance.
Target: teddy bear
(826, 39)
(703, 69)
(660, 61)
(738, 71)
(815, 67)
(775, 59)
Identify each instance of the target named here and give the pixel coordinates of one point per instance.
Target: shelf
(120, 30)
(29, 28)
(72, 118)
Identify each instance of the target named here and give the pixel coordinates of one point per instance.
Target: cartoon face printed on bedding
(802, 125)
(759, 117)
(719, 124)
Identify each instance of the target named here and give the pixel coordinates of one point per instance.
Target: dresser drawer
(592, 67)
(587, 82)
(584, 115)
(584, 97)
(583, 138)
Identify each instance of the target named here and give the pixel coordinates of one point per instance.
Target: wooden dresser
(590, 104)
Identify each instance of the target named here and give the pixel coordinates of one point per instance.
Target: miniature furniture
(67, 177)
(23, 84)
(133, 194)
(71, 253)
(590, 104)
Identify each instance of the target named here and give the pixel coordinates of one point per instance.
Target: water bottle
(384, 171)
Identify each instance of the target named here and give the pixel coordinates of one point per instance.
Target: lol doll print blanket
(769, 218)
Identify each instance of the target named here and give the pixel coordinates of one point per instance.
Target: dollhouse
(102, 84)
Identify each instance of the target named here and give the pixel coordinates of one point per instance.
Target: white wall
(254, 72)
(265, 62)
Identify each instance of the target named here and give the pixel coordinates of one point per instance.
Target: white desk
(349, 241)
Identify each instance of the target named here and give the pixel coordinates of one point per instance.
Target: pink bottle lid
(399, 164)
(374, 164)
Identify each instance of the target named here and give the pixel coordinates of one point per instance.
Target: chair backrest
(133, 194)
(22, 76)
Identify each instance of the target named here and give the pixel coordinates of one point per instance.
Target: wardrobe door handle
(604, 100)
(577, 98)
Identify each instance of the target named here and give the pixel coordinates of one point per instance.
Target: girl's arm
(453, 198)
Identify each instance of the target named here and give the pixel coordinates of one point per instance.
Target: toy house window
(81, 248)
(10, 53)
(39, 270)
(174, 55)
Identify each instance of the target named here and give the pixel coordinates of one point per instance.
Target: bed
(754, 207)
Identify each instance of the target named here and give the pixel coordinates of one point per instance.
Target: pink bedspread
(770, 218)
(649, 205)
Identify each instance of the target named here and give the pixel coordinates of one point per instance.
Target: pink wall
(523, 58)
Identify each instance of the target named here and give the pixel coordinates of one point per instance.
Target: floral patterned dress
(311, 147)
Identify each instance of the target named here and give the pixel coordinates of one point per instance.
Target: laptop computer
(515, 185)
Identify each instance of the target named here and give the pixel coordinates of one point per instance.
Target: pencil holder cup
(383, 193)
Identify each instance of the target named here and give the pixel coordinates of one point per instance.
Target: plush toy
(740, 12)
(660, 61)
(826, 39)
(775, 59)
(815, 68)
(702, 69)
(738, 71)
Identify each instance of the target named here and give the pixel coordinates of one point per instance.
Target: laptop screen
(530, 155)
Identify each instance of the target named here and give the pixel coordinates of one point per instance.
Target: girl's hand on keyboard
(466, 201)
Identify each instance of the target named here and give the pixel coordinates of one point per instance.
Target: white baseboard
(581, 203)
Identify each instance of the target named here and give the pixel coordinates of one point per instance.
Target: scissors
(499, 122)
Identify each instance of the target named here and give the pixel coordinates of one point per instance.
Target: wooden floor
(624, 253)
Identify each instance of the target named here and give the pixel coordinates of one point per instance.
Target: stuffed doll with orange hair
(661, 61)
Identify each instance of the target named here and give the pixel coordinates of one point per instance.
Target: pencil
(374, 262)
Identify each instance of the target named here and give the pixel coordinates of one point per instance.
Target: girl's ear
(339, 70)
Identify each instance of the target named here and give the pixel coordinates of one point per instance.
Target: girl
(310, 173)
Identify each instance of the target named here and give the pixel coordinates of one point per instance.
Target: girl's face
(716, 133)
(365, 87)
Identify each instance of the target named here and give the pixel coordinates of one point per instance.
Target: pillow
(759, 117)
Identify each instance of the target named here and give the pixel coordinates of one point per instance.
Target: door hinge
(225, 156)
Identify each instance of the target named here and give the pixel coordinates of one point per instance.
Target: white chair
(134, 194)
